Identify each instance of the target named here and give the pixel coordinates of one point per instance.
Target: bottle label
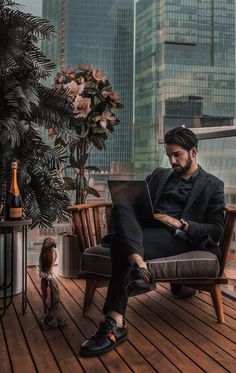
(16, 212)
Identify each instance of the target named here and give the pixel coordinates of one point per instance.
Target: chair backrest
(225, 242)
(92, 221)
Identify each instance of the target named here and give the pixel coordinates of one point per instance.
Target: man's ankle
(137, 261)
(119, 319)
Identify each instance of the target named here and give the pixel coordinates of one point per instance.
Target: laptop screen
(135, 192)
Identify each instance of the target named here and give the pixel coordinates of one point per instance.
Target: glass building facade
(184, 74)
(98, 33)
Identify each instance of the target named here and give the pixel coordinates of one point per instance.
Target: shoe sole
(185, 296)
(139, 287)
(102, 352)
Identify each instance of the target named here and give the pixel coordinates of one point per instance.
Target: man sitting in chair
(188, 204)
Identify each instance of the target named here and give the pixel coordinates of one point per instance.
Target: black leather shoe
(107, 337)
(140, 281)
(182, 292)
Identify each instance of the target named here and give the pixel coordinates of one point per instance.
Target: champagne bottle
(14, 210)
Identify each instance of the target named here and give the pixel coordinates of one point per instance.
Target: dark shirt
(175, 195)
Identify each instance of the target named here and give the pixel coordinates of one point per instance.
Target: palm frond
(31, 24)
(24, 104)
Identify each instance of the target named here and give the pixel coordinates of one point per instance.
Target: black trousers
(133, 236)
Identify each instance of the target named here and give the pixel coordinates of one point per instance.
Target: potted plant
(24, 106)
(94, 103)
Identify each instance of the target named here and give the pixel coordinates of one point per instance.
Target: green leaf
(78, 163)
(60, 141)
(92, 191)
(69, 183)
(84, 132)
(81, 162)
(98, 143)
(73, 161)
(96, 100)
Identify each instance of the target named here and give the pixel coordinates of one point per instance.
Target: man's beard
(182, 170)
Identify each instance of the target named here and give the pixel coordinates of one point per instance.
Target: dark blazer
(203, 209)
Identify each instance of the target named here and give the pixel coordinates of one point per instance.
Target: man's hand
(176, 223)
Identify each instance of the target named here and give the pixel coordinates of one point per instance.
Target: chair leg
(216, 296)
(88, 296)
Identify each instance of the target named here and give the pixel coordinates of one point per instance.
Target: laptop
(135, 192)
(138, 194)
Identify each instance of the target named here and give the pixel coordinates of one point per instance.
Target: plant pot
(69, 257)
(17, 262)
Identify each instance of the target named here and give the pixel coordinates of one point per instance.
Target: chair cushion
(97, 260)
(193, 264)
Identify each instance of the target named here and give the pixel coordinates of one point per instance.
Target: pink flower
(72, 88)
(85, 67)
(82, 106)
(68, 69)
(99, 76)
(81, 85)
(104, 118)
(112, 94)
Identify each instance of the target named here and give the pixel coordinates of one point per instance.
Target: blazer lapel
(161, 184)
(199, 184)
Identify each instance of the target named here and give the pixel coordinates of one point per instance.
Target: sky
(31, 6)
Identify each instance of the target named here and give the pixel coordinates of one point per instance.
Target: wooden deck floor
(165, 334)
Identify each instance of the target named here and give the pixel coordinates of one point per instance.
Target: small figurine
(47, 258)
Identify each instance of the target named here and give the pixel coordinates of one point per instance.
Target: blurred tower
(98, 33)
(185, 71)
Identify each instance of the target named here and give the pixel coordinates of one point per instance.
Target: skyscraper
(185, 70)
(98, 33)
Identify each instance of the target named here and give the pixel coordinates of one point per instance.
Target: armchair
(198, 269)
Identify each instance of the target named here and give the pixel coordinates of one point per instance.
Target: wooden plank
(135, 359)
(229, 302)
(177, 347)
(18, 350)
(165, 346)
(71, 333)
(203, 302)
(198, 319)
(127, 351)
(150, 353)
(205, 312)
(212, 357)
(41, 354)
(111, 360)
(65, 358)
(165, 334)
(4, 358)
(228, 310)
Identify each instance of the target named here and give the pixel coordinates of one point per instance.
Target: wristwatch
(184, 226)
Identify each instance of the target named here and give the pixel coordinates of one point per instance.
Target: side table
(6, 286)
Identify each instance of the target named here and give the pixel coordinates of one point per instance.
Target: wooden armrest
(82, 206)
(230, 209)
